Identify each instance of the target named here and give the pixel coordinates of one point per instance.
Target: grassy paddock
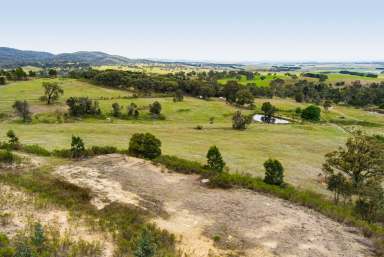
(299, 146)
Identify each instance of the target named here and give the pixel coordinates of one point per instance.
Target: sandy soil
(244, 223)
(18, 210)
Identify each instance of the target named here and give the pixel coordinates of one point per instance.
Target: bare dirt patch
(215, 221)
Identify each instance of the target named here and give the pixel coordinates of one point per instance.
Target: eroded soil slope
(240, 221)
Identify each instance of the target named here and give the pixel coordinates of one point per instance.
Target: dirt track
(243, 222)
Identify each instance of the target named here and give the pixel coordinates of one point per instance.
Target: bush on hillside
(311, 113)
(274, 172)
(144, 145)
(214, 159)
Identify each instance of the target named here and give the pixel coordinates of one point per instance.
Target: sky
(210, 30)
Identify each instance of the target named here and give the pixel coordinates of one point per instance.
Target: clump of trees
(79, 106)
(22, 110)
(274, 172)
(311, 113)
(52, 92)
(214, 159)
(144, 145)
(358, 169)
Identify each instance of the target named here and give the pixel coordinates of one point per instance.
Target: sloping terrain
(214, 222)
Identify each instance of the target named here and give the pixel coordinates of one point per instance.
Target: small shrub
(145, 246)
(214, 159)
(77, 147)
(199, 127)
(274, 172)
(144, 146)
(311, 113)
(155, 108)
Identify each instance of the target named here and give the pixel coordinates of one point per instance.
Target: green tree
(214, 159)
(340, 186)
(52, 72)
(360, 161)
(327, 104)
(77, 147)
(145, 246)
(269, 110)
(155, 108)
(274, 172)
(244, 96)
(12, 138)
(311, 113)
(22, 109)
(133, 111)
(116, 110)
(3, 81)
(52, 92)
(371, 201)
(144, 146)
(239, 121)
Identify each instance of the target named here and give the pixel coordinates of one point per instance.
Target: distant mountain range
(11, 58)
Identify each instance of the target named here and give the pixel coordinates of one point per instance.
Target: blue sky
(242, 30)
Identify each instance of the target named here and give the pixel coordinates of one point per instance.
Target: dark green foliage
(239, 121)
(230, 89)
(274, 172)
(116, 110)
(133, 111)
(360, 161)
(155, 108)
(371, 201)
(244, 96)
(320, 76)
(22, 109)
(3, 81)
(269, 110)
(79, 106)
(145, 246)
(35, 149)
(38, 238)
(311, 113)
(101, 150)
(214, 159)
(180, 165)
(144, 146)
(13, 140)
(52, 92)
(77, 147)
(6, 156)
(52, 72)
(340, 186)
(178, 97)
